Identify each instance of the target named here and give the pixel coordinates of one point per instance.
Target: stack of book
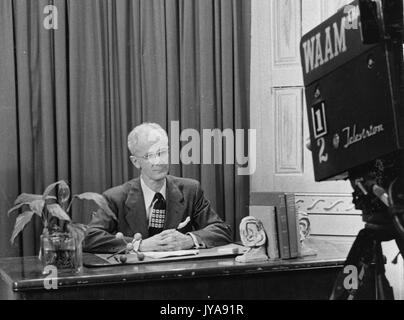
(281, 225)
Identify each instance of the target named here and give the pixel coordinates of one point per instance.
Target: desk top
(25, 273)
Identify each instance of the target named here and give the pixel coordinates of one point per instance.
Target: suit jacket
(185, 198)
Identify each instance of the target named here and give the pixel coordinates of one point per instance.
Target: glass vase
(62, 251)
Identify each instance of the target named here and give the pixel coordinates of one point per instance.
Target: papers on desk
(104, 260)
(231, 250)
(163, 255)
(222, 251)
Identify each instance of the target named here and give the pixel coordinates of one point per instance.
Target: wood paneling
(335, 225)
(288, 131)
(287, 32)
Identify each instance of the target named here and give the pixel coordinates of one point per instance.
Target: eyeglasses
(153, 155)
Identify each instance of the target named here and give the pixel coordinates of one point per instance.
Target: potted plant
(61, 239)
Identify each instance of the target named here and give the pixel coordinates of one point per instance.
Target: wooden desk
(303, 278)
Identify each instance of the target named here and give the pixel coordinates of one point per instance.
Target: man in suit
(170, 213)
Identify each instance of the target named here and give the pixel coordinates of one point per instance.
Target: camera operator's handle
(390, 200)
(381, 194)
(396, 208)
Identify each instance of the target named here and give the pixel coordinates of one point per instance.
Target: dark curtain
(69, 97)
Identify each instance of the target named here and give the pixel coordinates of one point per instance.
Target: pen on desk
(182, 225)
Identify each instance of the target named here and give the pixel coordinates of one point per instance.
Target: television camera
(354, 84)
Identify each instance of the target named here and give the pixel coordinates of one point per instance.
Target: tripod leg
(383, 290)
(366, 256)
(359, 257)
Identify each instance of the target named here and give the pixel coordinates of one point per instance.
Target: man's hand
(168, 240)
(173, 240)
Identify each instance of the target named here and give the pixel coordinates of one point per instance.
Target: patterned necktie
(158, 215)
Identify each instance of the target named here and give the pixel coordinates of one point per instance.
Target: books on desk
(279, 217)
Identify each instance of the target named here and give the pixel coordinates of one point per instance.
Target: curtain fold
(72, 95)
(9, 155)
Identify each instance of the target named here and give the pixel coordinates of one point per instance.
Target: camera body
(353, 77)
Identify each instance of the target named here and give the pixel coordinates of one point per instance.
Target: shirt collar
(148, 193)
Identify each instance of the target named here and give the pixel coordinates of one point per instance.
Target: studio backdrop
(76, 76)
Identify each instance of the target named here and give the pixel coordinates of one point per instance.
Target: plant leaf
(56, 211)
(63, 196)
(49, 189)
(34, 201)
(17, 207)
(26, 198)
(99, 200)
(37, 207)
(20, 223)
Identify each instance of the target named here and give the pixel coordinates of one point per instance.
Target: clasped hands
(168, 240)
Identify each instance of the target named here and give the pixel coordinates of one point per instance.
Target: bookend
(254, 239)
(304, 233)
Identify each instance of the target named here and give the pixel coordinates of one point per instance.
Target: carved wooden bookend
(304, 228)
(254, 239)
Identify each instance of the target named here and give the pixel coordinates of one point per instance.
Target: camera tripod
(363, 276)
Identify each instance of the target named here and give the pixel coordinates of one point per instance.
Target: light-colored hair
(144, 134)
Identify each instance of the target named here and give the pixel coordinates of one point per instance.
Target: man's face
(152, 157)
